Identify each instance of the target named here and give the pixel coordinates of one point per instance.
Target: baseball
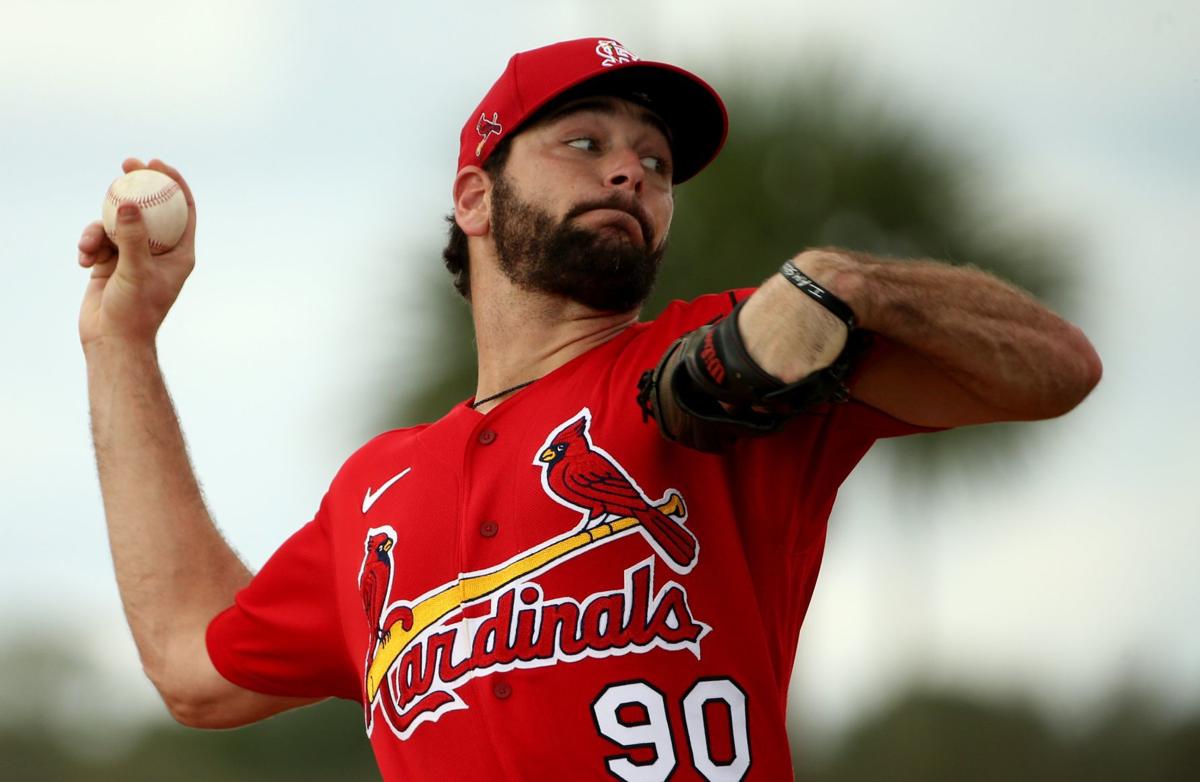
(164, 208)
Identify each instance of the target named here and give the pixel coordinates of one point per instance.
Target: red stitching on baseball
(154, 243)
(144, 202)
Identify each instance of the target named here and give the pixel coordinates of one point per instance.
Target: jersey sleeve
(282, 635)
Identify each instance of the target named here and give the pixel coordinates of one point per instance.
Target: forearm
(993, 339)
(958, 345)
(174, 570)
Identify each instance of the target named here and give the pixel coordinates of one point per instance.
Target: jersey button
(501, 690)
(489, 529)
(487, 437)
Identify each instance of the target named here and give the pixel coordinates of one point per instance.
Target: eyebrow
(602, 106)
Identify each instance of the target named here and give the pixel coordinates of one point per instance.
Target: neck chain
(517, 387)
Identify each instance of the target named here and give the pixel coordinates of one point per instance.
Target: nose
(626, 171)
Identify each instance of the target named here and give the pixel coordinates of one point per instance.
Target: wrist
(107, 347)
(788, 334)
(844, 274)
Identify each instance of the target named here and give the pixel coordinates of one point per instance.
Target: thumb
(132, 239)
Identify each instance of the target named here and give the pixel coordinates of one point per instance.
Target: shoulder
(686, 315)
(388, 442)
(679, 317)
(366, 465)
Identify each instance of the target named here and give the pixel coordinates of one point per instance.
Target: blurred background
(998, 603)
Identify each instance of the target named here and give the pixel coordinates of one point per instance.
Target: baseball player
(596, 567)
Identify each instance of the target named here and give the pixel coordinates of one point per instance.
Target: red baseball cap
(691, 109)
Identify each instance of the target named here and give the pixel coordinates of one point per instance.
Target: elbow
(186, 704)
(1095, 370)
(1079, 371)
(1089, 370)
(189, 712)
(205, 711)
(195, 693)
(200, 697)
(193, 698)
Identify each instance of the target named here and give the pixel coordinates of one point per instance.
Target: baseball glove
(707, 391)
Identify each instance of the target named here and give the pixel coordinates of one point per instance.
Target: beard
(538, 253)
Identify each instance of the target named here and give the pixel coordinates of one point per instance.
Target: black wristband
(839, 308)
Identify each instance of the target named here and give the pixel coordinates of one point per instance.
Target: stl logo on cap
(612, 52)
(485, 128)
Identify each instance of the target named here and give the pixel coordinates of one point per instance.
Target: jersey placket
(485, 540)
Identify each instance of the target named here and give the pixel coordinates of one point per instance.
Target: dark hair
(457, 256)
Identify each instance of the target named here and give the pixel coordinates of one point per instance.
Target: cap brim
(691, 109)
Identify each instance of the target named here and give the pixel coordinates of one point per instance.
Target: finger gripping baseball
(707, 391)
(159, 201)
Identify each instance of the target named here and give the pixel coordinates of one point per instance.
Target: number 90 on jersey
(636, 716)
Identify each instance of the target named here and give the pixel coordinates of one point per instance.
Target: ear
(472, 207)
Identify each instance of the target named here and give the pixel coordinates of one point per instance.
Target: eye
(655, 164)
(584, 143)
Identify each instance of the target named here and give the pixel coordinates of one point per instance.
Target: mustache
(628, 205)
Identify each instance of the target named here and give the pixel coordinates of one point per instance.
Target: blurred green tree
(938, 735)
(947, 737)
(57, 723)
(321, 743)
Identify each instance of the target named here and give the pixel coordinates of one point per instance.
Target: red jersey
(552, 591)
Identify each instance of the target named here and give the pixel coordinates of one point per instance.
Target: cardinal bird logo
(375, 583)
(422, 650)
(578, 474)
(486, 128)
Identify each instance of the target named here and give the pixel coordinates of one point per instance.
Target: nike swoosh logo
(370, 497)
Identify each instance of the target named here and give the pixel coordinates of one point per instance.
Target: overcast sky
(320, 141)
